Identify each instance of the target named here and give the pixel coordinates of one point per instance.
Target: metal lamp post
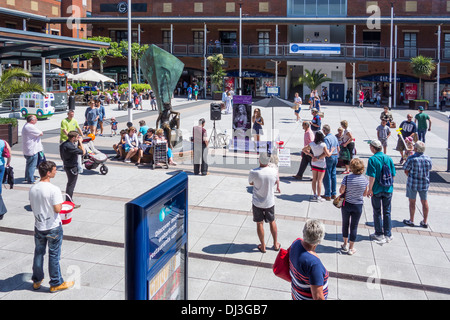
(130, 103)
(240, 48)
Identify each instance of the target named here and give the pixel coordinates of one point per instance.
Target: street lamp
(130, 103)
(240, 47)
(390, 56)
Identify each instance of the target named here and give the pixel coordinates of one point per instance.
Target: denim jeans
(329, 180)
(30, 167)
(2, 173)
(53, 238)
(382, 201)
(421, 134)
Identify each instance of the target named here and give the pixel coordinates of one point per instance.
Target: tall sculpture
(162, 70)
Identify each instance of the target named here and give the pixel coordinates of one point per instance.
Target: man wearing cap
(417, 167)
(381, 195)
(264, 180)
(421, 121)
(316, 122)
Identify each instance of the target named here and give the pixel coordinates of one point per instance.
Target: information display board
(156, 242)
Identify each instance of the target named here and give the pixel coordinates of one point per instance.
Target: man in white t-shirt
(264, 180)
(46, 203)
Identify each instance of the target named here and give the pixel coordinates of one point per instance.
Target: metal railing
(347, 51)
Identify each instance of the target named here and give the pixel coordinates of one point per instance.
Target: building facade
(348, 40)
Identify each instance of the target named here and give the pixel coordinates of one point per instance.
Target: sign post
(156, 252)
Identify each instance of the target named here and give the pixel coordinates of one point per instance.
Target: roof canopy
(25, 45)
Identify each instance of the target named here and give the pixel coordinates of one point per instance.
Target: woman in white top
(298, 104)
(318, 151)
(131, 144)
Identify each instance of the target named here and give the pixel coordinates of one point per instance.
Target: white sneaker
(378, 238)
(389, 239)
(320, 199)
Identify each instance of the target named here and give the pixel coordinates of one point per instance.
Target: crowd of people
(323, 151)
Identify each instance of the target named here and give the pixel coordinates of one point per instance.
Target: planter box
(9, 133)
(414, 104)
(217, 96)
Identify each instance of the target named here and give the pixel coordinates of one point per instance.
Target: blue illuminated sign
(156, 242)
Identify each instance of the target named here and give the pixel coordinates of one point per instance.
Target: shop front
(407, 88)
(254, 83)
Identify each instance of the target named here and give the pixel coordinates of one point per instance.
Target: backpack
(385, 179)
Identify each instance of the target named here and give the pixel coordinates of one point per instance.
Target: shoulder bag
(340, 200)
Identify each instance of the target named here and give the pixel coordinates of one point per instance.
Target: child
(113, 126)
(118, 148)
(409, 147)
(383, 133)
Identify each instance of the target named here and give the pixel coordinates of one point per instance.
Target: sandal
(260, 249)
(277, 249)
(344, 248)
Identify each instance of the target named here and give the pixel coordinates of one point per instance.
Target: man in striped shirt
(417, 168)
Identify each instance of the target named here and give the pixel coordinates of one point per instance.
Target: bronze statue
(163, 70)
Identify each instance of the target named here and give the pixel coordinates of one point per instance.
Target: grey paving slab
(225, 262)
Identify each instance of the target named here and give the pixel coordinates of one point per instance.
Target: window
(231, 7)
(166, 40)
(263, 42)
(122, 35)
(410, 44)
(263, 7)
(320, 8)
(448, 5)
(446, 45)
(198, 7)
(167, 7)
(198, 41)
(372, 37)
(411, 6)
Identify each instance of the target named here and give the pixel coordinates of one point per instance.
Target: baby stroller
(93, 158)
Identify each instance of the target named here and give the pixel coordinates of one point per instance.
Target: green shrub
(13, 121)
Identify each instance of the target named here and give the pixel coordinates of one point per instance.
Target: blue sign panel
(273, 91)
(315, 48)
(156, 242)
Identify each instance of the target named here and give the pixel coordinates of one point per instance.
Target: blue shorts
(412, 194)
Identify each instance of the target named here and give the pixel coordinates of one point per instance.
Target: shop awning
(18, 45)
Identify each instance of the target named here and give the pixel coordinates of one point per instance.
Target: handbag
(295, 106)
(344, 154)
(281, 265)
(392, 125)
(340, 200)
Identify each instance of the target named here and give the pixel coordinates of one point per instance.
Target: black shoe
(1, 217)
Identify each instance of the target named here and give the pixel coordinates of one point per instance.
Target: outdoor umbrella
(271, 102)
(57, 70)
(92, 76)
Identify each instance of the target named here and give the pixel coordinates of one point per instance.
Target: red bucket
(66, 212)
(280, 144)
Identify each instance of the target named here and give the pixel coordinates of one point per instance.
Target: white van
(36, 104)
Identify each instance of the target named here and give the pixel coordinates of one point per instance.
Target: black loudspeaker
(216, 111)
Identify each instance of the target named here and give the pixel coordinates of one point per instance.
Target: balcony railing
(282, 51)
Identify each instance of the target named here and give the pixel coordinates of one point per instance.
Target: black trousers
(72, 177)
(200, 160)
(306, 159)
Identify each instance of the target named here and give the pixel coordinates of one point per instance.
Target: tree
(422, 66)
(11, 83)
(113, 51)
(217, 72)
(137, 51)
(312, 79)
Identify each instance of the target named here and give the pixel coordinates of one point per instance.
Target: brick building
(360, 29)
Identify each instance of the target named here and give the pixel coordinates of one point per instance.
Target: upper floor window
(317, 8)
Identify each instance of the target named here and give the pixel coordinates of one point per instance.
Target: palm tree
(312, 79)
(217, 72)
(11, 83)
(422, 66)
